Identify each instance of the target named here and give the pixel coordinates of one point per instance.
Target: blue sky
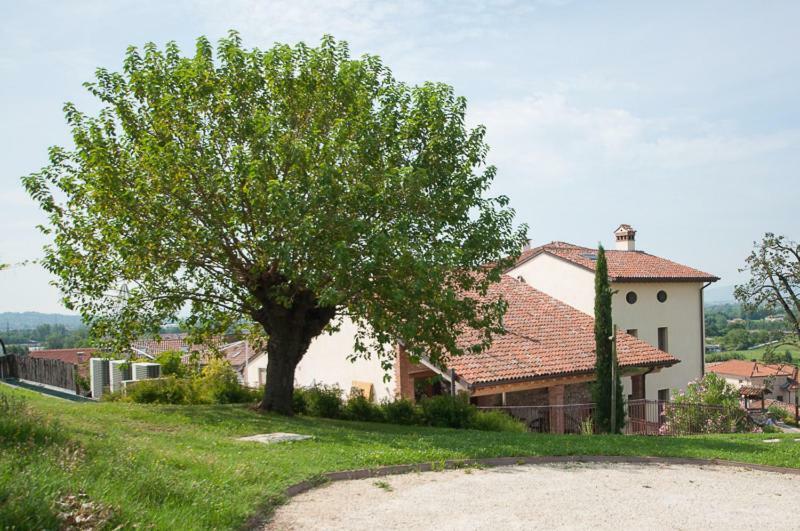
(680, 118)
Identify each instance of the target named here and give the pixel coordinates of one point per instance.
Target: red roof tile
(544, 337)
(76, 356)
(623, 266)
(753, 369)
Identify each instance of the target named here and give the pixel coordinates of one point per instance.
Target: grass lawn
(758, 353)
(179, 466)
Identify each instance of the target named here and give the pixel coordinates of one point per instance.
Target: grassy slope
(171, 467)
(758, 353)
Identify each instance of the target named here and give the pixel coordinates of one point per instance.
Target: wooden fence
(45, 371)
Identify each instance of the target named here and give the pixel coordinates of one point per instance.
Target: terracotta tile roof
(752, 369)
(171, 342)
(544, 338)
(623, 266)
(76, 356)
(753, 392)
(233, 352)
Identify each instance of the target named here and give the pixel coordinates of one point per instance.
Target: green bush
(300, 401)
(779, 413)
(359, 408)
(172, 364)
(442, 411)
(496, 421)
(216, 384)
(448, 411)
(168, 390)
(220, 385)
(324, 401)
(401, 411)
(709, 405)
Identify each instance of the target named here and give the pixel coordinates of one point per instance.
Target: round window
(631, 297)
(661, 296)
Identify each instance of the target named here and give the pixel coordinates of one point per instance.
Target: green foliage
(774, 268)
(22, 425)
(220, 384)
(496, 421)
(171, 364)
(709, 405)
(401, 411)
(737, 339)
(359, 408)
(774, 356)
(51, 335)
(779, 413)
(168, 390)
(241, 182)
(323, 401)
(447, 411)
(217, 384)
(441, 411)
(724, 356)
(603, 387)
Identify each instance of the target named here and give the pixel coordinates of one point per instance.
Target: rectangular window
(262, 376)
(663, 395)
(663, 339)
(633, 332)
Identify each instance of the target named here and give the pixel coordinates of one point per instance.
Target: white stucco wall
(681, 314)
(559, 279)
(326, 363)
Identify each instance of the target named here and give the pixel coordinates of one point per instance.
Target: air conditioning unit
(119, 371)
(98, 376)
(146, 371)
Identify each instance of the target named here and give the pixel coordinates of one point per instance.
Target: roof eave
(538, 377)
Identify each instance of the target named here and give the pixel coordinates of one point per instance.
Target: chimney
(626, 238)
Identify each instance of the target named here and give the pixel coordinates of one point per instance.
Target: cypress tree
(603, 330)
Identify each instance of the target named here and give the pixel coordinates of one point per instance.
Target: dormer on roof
(626, 238)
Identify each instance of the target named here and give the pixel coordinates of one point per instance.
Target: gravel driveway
(557, 496)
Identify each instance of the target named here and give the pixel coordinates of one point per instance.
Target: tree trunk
(290, 333)
(283, 355)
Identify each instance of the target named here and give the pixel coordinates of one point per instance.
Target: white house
(656, 300)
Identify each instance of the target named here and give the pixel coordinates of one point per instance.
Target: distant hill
(27, 320)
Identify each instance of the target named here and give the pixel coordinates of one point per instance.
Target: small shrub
(401, 411)
(447, 411)
(172, 364)
(496, 421)
(220, 384)
(779, 413)
(709, 405)
(300, 401)
(169, 390)
(359, 408)
(324, 401)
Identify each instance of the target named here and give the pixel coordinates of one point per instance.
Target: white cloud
(547, 139)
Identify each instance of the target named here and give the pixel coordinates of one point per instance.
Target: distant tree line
(49, 336)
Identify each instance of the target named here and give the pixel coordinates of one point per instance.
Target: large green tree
(774, 283)
(292, 187)
(605, 386)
